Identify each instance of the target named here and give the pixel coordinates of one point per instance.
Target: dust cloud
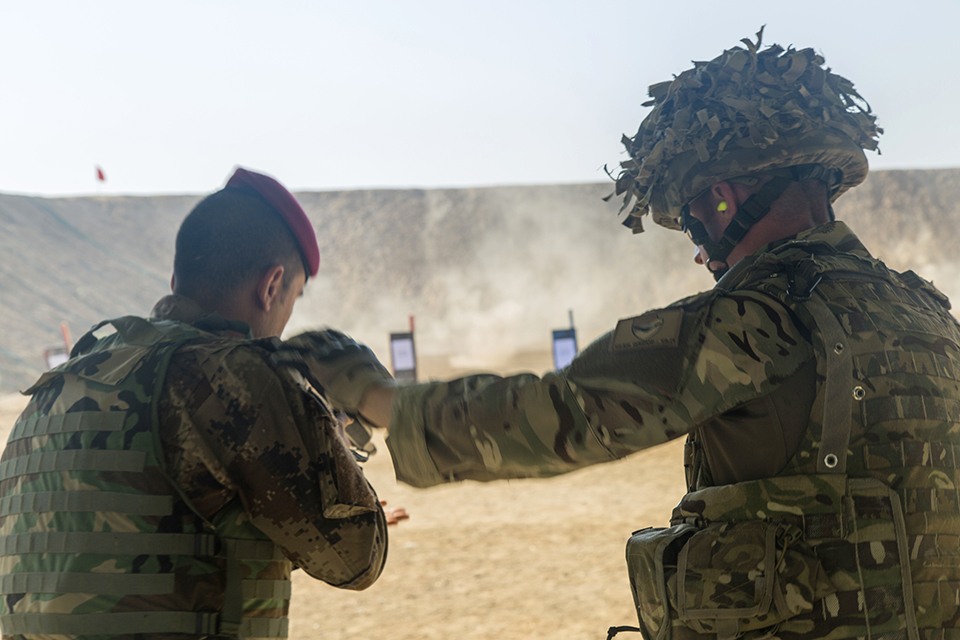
(492, 271)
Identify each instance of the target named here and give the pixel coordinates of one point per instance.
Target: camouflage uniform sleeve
(654, 378)
(243, 430)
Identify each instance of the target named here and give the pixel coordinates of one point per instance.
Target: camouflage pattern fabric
(282, 458)
(869, 553)
(748, 111)
(130, 507)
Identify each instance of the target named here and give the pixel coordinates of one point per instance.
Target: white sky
(168, 96)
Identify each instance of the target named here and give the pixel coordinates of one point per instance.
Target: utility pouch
(652, 561)
(724, 580)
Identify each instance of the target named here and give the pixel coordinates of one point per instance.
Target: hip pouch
(724, 579)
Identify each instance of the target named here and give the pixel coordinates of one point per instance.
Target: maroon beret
(289, 209)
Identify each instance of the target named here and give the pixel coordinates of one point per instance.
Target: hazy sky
(167, 97)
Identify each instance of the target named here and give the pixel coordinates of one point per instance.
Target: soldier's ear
(173, 282)
(270, 287)
(724, 200)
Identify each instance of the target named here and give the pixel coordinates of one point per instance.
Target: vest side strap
(231, 615)
(837, 389)
(68, 423)
(115, 584)
(187, 544)
(906, 574)
(128, 503)
(201, 624)
(73, 460)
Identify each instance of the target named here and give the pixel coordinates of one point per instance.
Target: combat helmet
(775, 112)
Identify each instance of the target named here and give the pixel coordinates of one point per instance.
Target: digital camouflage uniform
(846, 530)
(164, 482)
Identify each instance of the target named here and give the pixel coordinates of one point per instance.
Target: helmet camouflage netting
(744, 112)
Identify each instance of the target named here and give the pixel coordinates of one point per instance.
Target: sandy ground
(523, 559)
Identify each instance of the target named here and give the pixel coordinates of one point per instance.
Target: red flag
(100, 176)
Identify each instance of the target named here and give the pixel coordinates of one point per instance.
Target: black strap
(752, 210)
(612, 631)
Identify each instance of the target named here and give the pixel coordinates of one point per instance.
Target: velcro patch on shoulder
(653, 329)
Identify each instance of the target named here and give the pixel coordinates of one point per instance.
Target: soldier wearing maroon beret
(165, 480)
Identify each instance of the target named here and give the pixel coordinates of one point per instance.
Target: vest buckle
(802, 279)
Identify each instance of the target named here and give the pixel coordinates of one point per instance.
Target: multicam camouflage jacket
(850, 529)
(163, 482)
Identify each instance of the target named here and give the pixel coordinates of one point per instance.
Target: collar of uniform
(183, 309)
(835, 234)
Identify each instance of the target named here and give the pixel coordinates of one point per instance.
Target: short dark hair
(229, 238)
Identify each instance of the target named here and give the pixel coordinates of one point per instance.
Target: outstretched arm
(655, 377)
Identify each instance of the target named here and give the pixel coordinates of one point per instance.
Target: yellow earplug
(722, 206)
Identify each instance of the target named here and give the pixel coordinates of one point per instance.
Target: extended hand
(394, 514)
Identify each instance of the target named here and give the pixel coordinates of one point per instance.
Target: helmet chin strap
(719, 272)
(748, 213)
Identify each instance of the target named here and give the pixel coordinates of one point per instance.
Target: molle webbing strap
(68, 423)
(115, 584)
(109, 624)
(129, 503)
(72, 460)
(916, 453)
(198, 545)
(873, 487)
(115, 624)
(837, 388)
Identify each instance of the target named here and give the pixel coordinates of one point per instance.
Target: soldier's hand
(341, 365)
(394, 514)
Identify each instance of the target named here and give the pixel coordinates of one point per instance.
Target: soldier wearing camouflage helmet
(817, 388)
(165, 480)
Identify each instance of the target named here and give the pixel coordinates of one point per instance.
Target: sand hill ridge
(486, 271)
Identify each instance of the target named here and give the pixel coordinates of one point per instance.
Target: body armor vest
(96, 541)
(859, 537)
